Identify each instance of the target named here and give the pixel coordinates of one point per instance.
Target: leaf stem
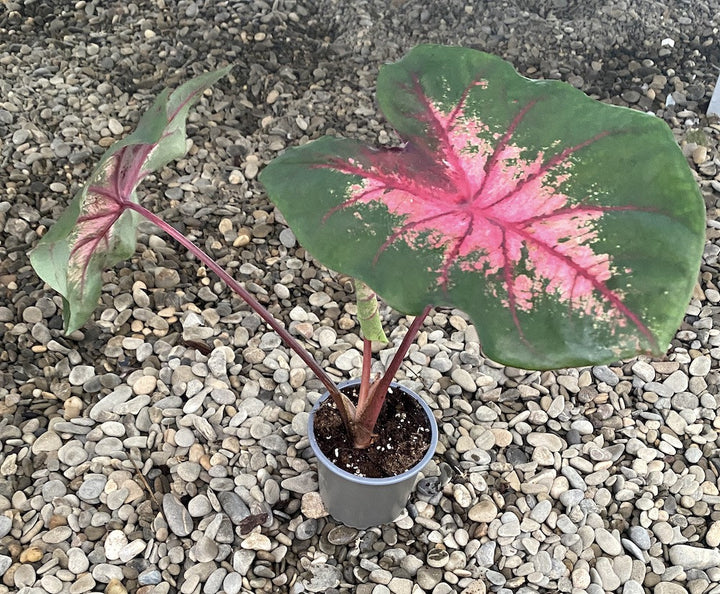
(407, 340)
(365, 374)
(399, 356)
(254, 304)
(375, 392)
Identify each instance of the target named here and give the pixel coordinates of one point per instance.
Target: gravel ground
(131, 461)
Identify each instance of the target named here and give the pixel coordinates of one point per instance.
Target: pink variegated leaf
(99, 227)
(569, 230)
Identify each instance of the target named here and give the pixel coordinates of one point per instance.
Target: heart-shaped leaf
(569, 230)
(98, 228)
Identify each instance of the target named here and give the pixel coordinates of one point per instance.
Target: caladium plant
(570, 231)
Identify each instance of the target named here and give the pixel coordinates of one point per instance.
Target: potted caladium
(570, 232)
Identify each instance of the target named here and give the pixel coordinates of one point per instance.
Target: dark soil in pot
(403, 437)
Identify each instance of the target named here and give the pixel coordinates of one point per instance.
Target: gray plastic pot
(363, 502)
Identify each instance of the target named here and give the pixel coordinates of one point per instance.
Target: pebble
(428, 577)
(669, 588)
(607, 542)
(242, 561)
(57, 535)
(145, 385)
(463, 378)
(5, 563)
(632, 587)
(604, 374)
(47, 442)
(483, 511)
(178, 517)
(547, 440)
(495, 577)
(114, 543)
(324, 577)
(438, 558)
(712, 537)
(608, 578)
(700, 366)
(115, 586)
(72, 454)
(24, 576)
(83, 583)
(92, 486)
(51, 584)
(304, 483)
(233, 506)
(644, 371)
(78, 562)
(205, 550)
(462, 496)
(151, 577)
(199, 506)
(691, 557)
(693, 455)
(341, 535)
(312, 506)
(663, 531)
(106, 573)
(105, 407)
(640, 536)
(256, 542)
(541, 511)
(307, 529)
(185, 437)
(677, 382)
(81, 374)
(5, 526)
(132, 550)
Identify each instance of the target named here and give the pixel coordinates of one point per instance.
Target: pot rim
(390, 480)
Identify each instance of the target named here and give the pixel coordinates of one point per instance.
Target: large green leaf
(98, 228)
(569, 230)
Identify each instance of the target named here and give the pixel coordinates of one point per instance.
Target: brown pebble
(31, 555)
(72, 407)
(312, 505)
(14, 549)
(57, 520)
(115, 587)
(700, 155)
(480, 530)
(9, 576)
(243, 237)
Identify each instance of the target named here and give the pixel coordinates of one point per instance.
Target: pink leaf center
(483, 204)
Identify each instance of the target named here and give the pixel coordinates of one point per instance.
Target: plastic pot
(363, 502)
